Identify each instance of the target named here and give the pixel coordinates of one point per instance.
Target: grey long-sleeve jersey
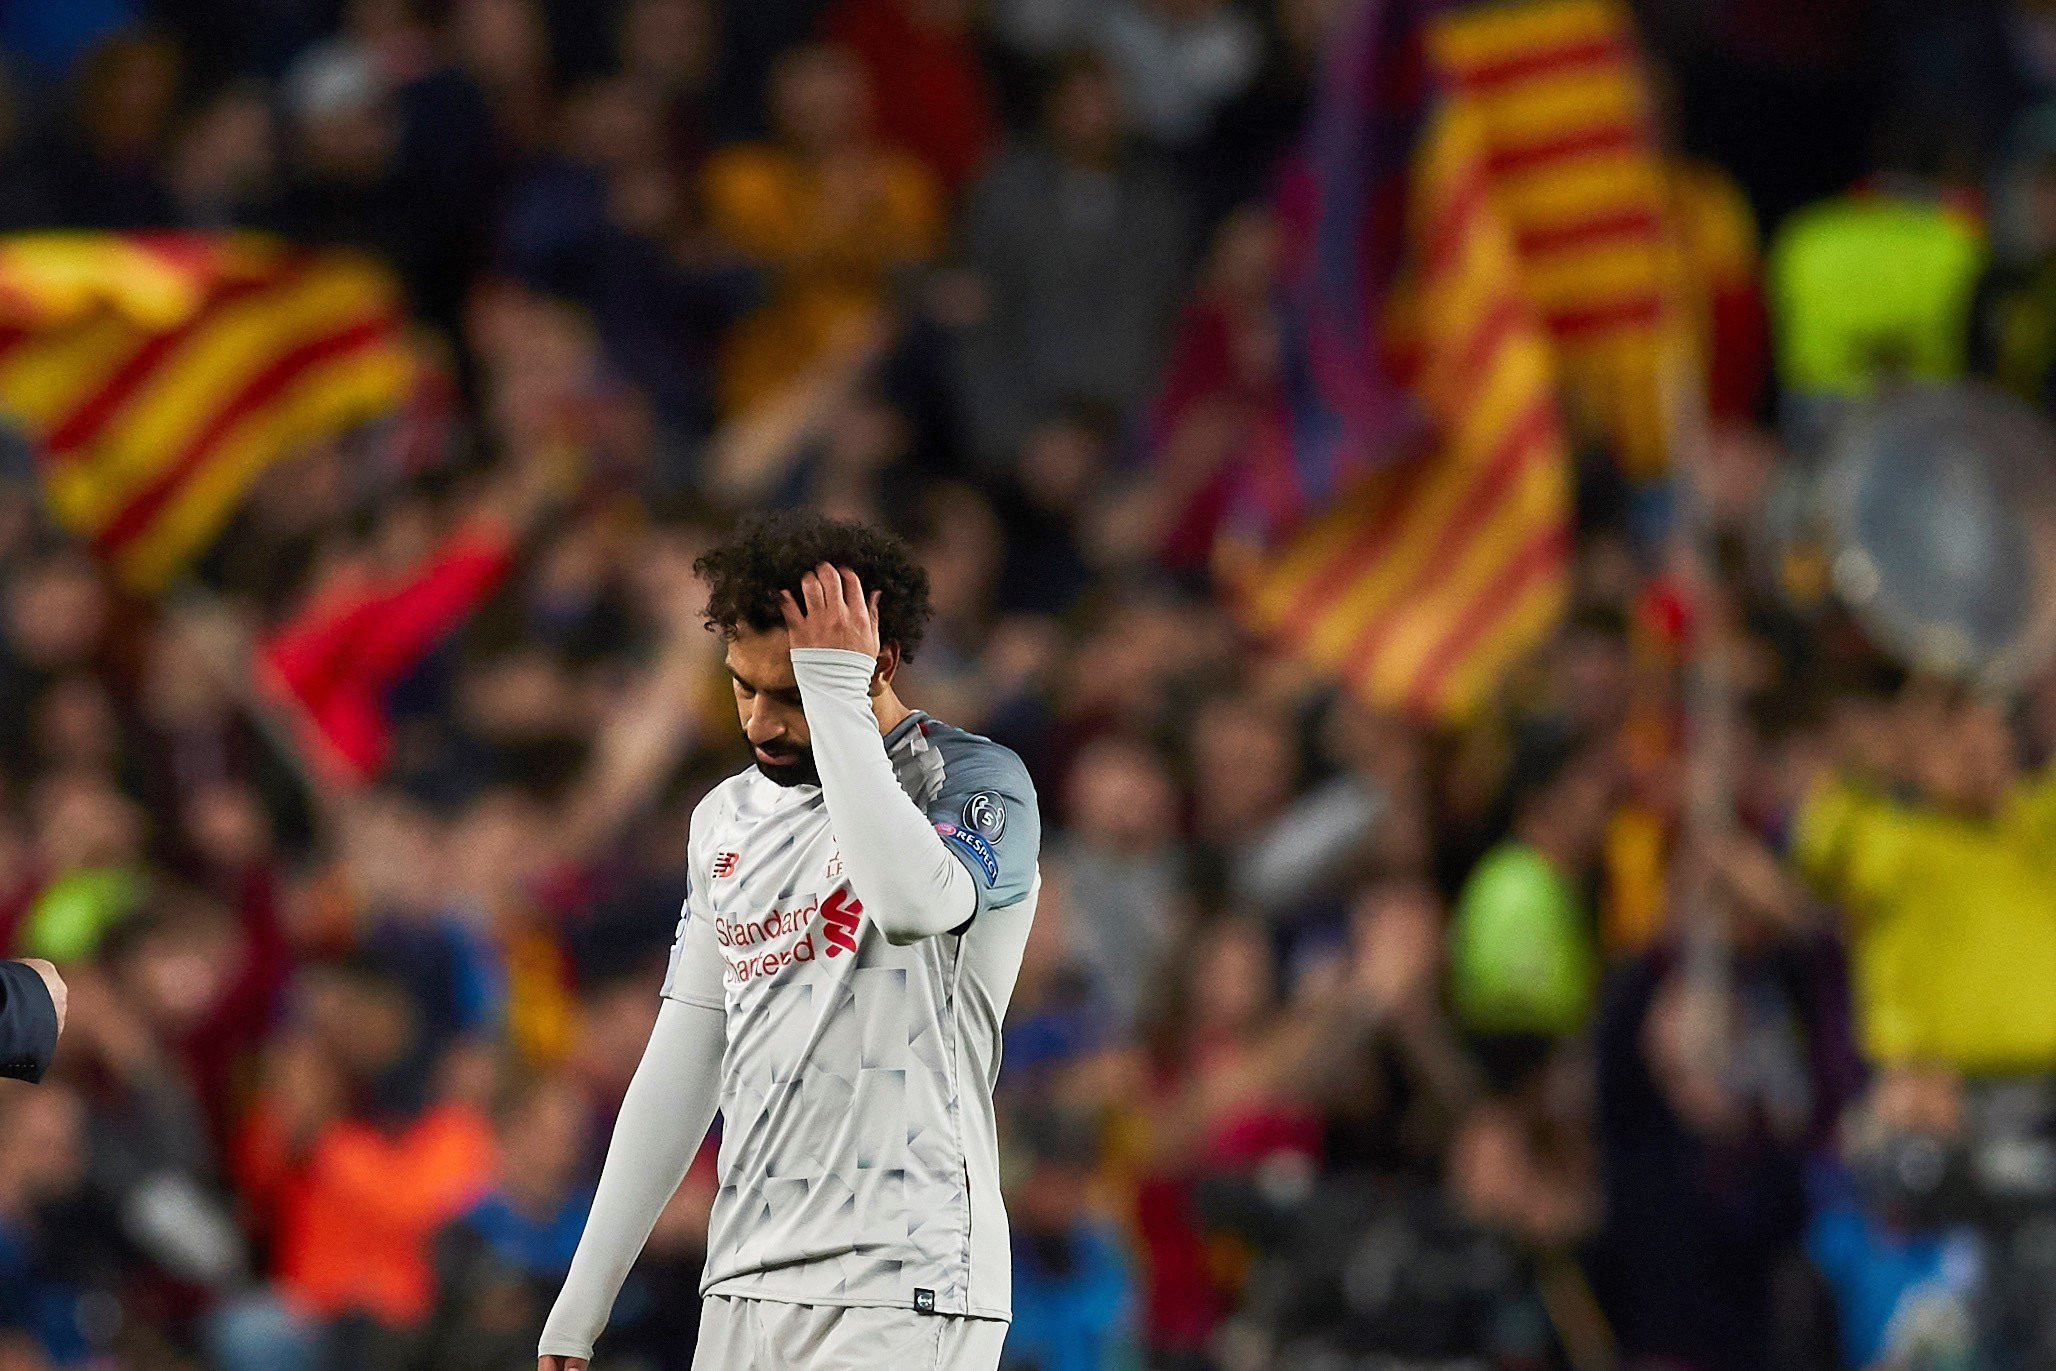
(859, 1156)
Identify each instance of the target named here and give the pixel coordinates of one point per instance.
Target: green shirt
(1521, 954)
(75, 911)
(1863, 285)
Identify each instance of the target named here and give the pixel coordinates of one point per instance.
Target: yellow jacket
(830, 251)
(1952, 922)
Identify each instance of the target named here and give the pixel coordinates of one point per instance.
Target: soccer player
(855, 911)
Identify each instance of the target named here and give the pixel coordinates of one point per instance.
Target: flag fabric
(158, 375)
(1343, 211)
(1432, 574)
(331, 667)
(1564, 105)
(1477, 264)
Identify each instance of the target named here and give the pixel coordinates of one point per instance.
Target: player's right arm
(664, 1117)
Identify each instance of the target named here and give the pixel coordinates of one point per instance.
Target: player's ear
(887, 668)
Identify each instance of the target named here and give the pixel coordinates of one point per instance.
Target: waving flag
(1474, 232)
(1430, 576)
(1565, 111)
(1343, 207)
(158, 375)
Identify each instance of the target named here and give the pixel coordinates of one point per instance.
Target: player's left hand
(836, 612)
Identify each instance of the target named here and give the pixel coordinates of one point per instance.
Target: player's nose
(760, 727)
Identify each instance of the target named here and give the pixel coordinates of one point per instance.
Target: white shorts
(769, 1335)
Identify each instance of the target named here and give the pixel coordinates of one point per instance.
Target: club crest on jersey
(725, 864)
(986, 813)
(841, 913)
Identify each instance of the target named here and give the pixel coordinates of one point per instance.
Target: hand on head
(833, 611)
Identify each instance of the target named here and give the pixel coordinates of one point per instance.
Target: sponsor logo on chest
(757, 947)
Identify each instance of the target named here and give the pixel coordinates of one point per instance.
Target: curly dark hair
(768, 553)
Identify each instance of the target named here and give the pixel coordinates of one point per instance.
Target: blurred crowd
(1342, 1040)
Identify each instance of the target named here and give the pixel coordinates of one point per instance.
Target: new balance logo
(840, 914)
(725, 863)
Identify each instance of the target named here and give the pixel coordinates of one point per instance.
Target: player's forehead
(761, 657)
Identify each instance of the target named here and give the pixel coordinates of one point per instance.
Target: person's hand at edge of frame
(59, 995)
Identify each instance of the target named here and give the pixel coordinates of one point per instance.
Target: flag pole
(1708, 697)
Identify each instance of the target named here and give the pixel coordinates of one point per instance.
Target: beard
(797, 769)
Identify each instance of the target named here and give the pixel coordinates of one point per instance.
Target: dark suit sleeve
(28, 1023)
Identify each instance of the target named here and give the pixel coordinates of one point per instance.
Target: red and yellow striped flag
(1565, 109)
(158, 375)
(1425, 582)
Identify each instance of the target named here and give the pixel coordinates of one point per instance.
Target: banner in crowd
(1474, 234)
(1567, 113)
(1421, 585)
(158, 375)
(1343, 209)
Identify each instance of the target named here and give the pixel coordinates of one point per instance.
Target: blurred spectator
(1077, 242)
(1720, 262)
(1397, 1088)
(1879, 284)
(223, 166)
(1061, 470)
(668, 50)
(389, 149)
(925, 77)
(59, 1248)
(57, 610)
(1523, 964)
(343, 140)
(125, 91)
(498, 1265)
(90, 838)
(1513, 1177)
(353, 1177)
(1220, 385)
(1123, 867)
(611, 222)
(1907, 1274)
(1228, 1093)
(1709, 1096)
(503, 47)
(828, 211)
(1177, 61)
(203, 977)
(1947, 893)
(153, 1155)
(1074, 1296)
(1245, 767)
